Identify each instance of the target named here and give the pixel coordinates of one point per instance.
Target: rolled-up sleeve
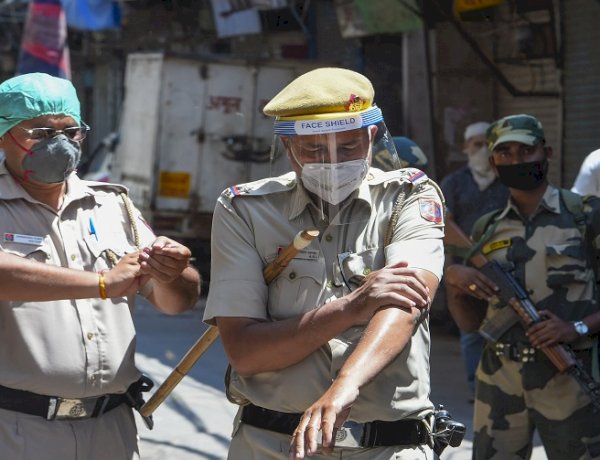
(418, 235)
(237, 287)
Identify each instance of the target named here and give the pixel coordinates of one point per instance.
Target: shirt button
(328, 237)
(73, 257)
(92, 378)
(90, 335)
(292, 275)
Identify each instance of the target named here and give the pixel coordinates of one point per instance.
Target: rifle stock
(512, 293)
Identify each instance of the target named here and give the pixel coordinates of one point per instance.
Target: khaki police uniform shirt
(69, 348)
(549, 257)
(253, 221)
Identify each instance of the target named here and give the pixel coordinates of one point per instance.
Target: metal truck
(189, 129)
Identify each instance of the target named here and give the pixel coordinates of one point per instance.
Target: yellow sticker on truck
(174, 184)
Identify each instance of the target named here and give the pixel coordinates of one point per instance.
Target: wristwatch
(581, 328)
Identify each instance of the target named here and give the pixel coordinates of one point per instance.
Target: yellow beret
(324, 90)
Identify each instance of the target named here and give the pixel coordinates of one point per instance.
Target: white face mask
(479, 164)
(334, 182)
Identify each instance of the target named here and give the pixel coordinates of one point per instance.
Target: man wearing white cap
(587, 181)
(471, 192)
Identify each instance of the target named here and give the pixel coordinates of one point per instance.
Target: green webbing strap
(456, 251)
(478, 228)
(574, 203)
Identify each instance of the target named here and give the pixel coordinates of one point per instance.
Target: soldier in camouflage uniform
(539, 238)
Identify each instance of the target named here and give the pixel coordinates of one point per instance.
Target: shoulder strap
(574, 203)
(482, 230)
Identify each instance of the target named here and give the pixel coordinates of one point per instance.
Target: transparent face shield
(332, 154)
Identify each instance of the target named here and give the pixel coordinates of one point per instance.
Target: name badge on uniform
(495, 245)
(304, 254)
(23, 239)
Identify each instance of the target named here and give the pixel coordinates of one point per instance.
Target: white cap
(476, 129)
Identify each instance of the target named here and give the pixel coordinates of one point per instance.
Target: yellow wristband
(101, 286)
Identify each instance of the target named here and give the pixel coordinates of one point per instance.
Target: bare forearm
(383, 340)
(179, 295)
(593, 322)
(255, 347)
(26, 280)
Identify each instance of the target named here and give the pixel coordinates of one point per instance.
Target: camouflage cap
(522, 128)
(321, 91)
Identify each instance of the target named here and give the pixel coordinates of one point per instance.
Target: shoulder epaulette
(412, 175)
(261, 187)
(416, 176)
(107, 187)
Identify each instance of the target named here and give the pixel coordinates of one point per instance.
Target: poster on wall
(241, 17)
(358, 18)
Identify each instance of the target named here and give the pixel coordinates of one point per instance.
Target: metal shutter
(581, 25)
(536, 75)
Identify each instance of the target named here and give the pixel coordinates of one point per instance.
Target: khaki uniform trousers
(251, 443)
(112, 436)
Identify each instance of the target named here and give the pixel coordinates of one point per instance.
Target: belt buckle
(349, 434)
(70, 409)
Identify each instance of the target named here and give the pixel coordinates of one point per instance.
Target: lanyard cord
(112, 255)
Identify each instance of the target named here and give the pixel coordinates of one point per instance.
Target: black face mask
(523, 176)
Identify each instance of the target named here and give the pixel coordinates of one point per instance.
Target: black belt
(57, 408)
(371, 434)
(520, 352)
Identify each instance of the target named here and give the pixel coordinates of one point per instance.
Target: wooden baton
(270, 272)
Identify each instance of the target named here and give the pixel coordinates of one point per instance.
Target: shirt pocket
(566, 264)
(297, 289)
(105, 252)
(38, 252)
(353, 267)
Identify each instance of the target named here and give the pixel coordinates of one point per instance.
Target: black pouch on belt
(135, 397)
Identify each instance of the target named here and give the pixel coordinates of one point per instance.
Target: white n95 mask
(334, 182)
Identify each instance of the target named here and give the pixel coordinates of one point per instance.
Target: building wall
(463, 91)
(581, 83)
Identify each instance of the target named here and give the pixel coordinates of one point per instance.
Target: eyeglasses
(76, 133)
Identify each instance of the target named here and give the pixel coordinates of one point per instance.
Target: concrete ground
(194, 422)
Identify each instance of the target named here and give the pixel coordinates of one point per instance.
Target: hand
(393, 285)
(326, 415)
(470, 281)
(551, 330)
(123, 279)
(164, 260)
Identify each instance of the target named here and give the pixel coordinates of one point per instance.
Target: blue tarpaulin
(92, 14)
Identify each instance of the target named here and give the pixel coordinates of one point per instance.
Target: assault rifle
(512, 293)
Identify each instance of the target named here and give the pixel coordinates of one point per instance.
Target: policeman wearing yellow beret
(332, 355)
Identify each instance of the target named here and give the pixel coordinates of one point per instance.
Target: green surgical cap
(33, 95)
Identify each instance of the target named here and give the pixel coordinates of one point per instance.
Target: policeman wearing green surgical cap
(72, 255)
